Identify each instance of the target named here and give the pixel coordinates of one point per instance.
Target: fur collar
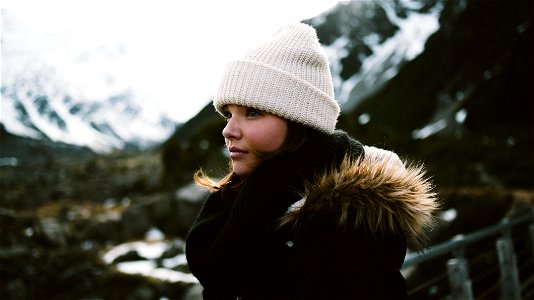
(376, 192)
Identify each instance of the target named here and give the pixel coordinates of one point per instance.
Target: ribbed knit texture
(288, 76)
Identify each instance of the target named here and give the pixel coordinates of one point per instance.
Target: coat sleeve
(199, 248)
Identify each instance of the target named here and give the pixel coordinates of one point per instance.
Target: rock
(130, 256)
(174, 250)
(14, 252)
(188, 200)
(143, 292)
(194, 293)
(103, 232)
(174, 213)
(52, 231)
(136, 221)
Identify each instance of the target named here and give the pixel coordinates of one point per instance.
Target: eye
(252, 112)
(226, 115)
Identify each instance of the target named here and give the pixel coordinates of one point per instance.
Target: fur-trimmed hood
(376, 192)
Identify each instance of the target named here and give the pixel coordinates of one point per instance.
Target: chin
(242, 171)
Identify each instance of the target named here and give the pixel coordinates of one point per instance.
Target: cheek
(269, 138)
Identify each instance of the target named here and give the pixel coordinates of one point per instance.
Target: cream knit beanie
(287, 76)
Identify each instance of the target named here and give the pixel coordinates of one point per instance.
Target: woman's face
(251, 136)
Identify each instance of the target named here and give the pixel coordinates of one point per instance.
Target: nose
(232, 129)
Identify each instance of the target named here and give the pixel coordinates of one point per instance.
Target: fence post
(510, 286)
(459, 279)
(459, 250)
(506, 232)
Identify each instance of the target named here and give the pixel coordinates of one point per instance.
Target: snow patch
(386, 58)
(449, 215)
(429, 130)
(460, 116)
(364, 119)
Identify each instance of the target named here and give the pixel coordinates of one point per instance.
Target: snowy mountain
(369, 41)
(95, 109)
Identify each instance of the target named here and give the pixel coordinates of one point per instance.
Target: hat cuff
(254, 84)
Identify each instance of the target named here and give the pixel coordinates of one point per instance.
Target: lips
(236, 152)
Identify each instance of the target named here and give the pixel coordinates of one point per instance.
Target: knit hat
(287, 76)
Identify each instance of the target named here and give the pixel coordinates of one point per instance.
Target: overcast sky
(170, 53)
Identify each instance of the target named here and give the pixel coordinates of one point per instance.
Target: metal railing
(501, 265)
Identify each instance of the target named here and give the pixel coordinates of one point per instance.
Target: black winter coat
(330, 221)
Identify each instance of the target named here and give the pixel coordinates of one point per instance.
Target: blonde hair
(201, 178)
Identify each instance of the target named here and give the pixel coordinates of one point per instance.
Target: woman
(306, 212)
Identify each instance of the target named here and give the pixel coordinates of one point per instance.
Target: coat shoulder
(377, 192)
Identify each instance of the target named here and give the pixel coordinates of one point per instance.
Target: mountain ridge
(41, 101)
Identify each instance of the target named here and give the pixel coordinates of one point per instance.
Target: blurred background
(106, 113)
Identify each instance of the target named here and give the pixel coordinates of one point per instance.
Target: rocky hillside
(74, 227)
